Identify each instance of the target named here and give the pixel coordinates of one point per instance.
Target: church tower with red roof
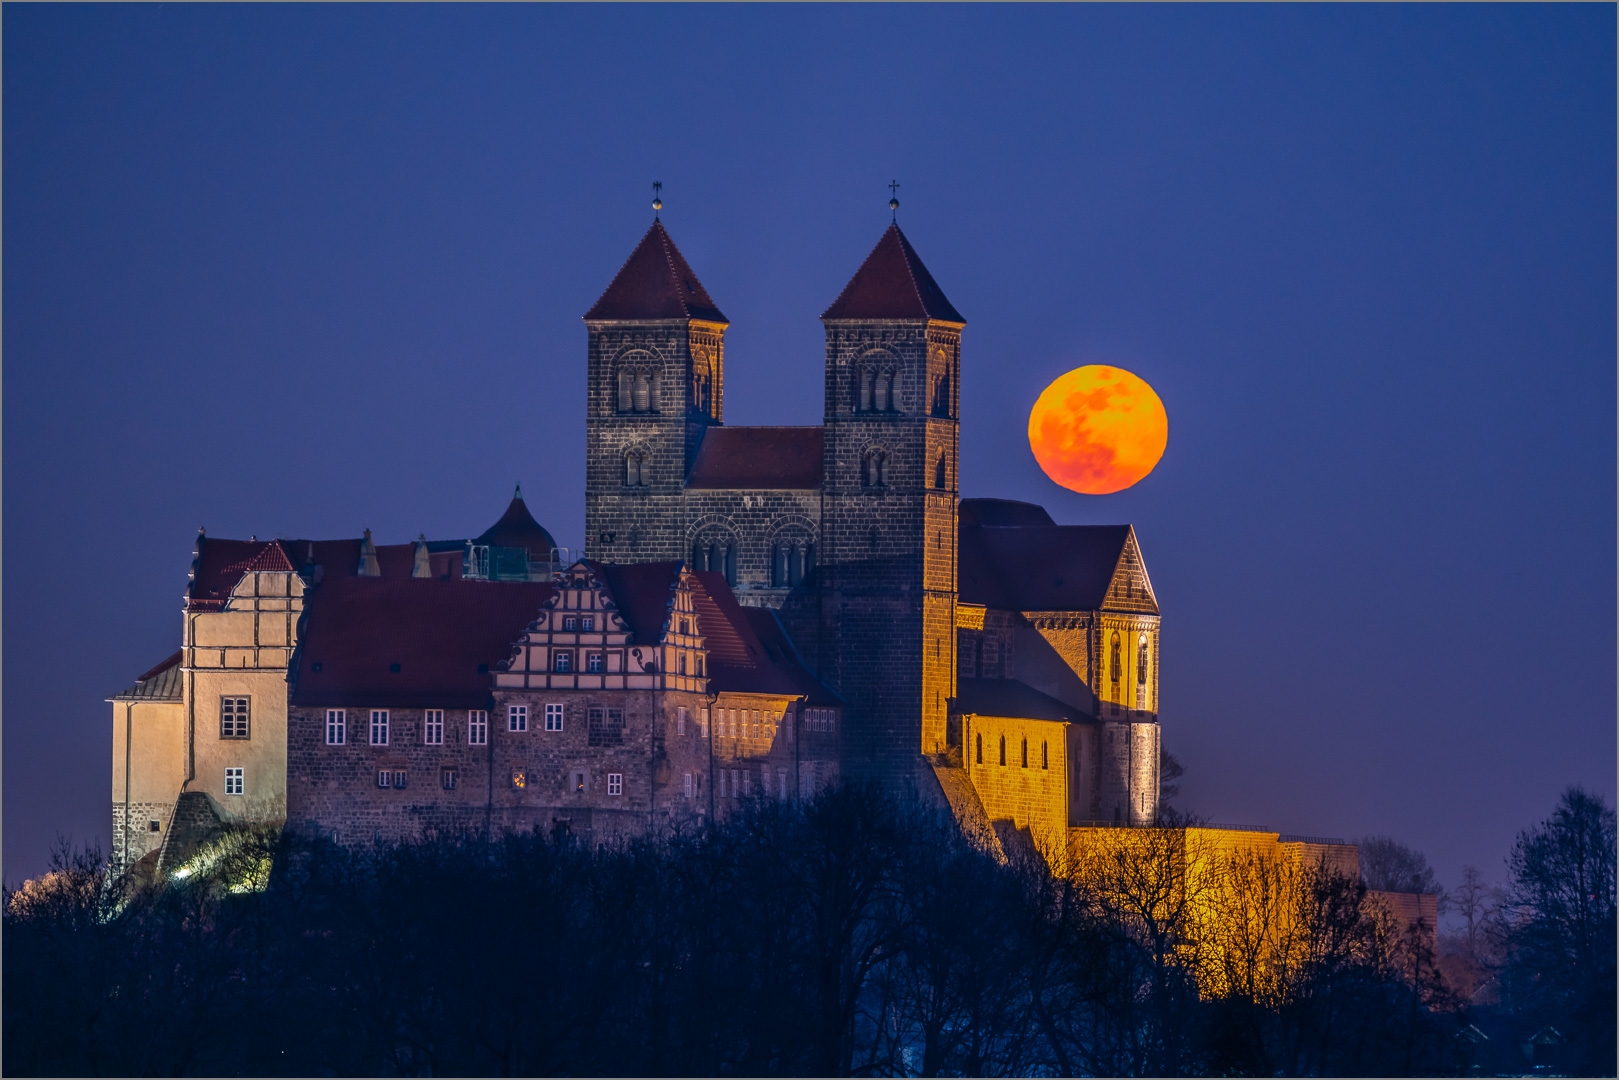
(888, 510)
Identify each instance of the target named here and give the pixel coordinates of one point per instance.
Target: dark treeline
(858, 934)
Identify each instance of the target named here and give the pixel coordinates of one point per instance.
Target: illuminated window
(477, 727)
(233, 718)
(234, 781)
(580, 781)
(447, 779)
(615, 783)
(1141, 672)
(517, 718)
(379, 727)
(337, 727)
(562, 662)
(433, 727)
(553, 717)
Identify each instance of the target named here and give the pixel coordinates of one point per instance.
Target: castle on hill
(758, 612)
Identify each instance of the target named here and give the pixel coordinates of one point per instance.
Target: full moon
(1098, 429)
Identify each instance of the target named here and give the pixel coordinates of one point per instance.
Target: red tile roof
(738, 662)
(1049, 568)
(893, 284)
(1003, 513)
(438, 632)
(655, 282)
(1013, 699)
(753, 458)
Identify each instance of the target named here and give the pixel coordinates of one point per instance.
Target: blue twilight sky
(303, 270)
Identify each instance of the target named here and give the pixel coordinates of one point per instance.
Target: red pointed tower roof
(656, 282)
(893, 284)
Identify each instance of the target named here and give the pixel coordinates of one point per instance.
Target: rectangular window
(433, 727)
(337, 727)
(447, 779)
(615, 783)
(562, 661)
(781, 774)
(399, 778)
(681, 663)
(379, 727)
(606, 726)
(519, 779)
(688, 785)
(233, 718)
(477, 727)
(384, 778)
(233, 781)
(722, 785)
(517, 718)
(702, 721)
(680, 720)
(747, 782)
(570, 624)
(580, 781)
(553, 717)
(590, 623)
(594, 663)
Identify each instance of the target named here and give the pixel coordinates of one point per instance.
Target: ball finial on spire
(893, 200)
(657, 198)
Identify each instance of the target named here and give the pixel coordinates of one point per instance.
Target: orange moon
(1098, 429)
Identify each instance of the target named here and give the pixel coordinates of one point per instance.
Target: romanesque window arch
(638, 390)
(636, 468)
(874, 468)
(792, 557)
(702, 382)
(1141, 672)
(715, 550)
(941, 473)
(1117, 671)
(941, 396)
(876, 386)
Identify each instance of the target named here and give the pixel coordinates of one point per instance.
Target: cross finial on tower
(893, 199)
(657, 198)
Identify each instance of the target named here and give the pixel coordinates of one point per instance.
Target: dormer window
(477, 563)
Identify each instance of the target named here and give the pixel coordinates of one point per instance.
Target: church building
(758, 612)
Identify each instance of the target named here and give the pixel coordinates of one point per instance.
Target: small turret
(368, 558)
(423, 567)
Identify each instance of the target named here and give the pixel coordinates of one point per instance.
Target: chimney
(423, 566)
(368, 558)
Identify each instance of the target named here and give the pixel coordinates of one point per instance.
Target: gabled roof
(1041, 568)
(161, 683)
(893, 284)
(754, 458)
(1003, 513)
(655, 282)
(644, 593)
(518, 529)
(1011, 698)
(439, 633)
(748, 652)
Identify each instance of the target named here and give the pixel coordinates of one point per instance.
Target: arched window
(634, 473)
(1141, 672)
(941, 396)
(1003, 749)
(880, 402)
(979, 747)
(1116, 698)
(873, 469)
(939, 476)
(867, 377)
(701, 384)
(626, 383)
(1025, 753)
(1045, 755)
